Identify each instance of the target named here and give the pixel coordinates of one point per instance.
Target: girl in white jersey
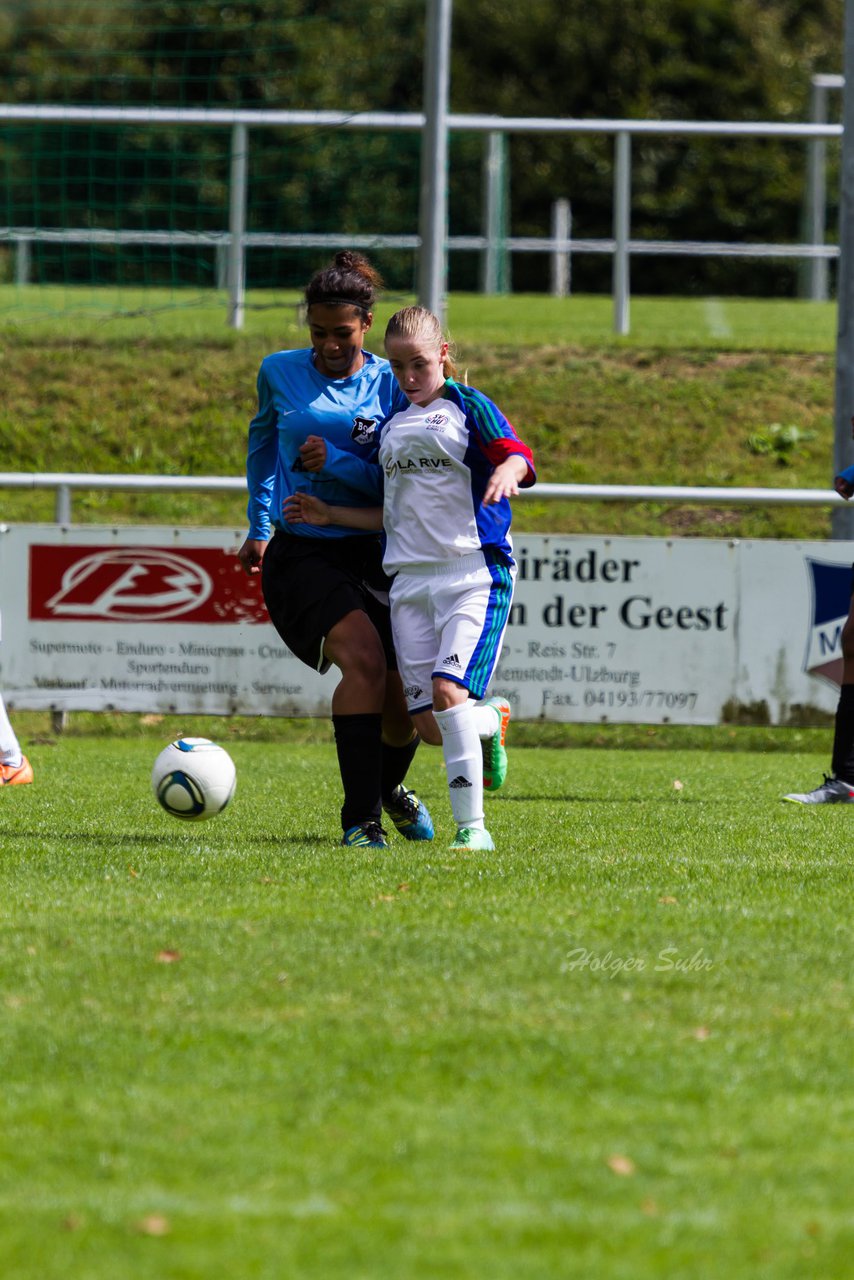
(451, 460)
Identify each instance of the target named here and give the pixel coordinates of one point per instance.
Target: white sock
(464, 763)
(10, 749)
(486, 718)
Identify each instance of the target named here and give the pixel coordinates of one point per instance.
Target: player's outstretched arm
(305, 508)
(506, 478)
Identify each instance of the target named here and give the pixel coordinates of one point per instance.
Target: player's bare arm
(305, 508)
(506, 479)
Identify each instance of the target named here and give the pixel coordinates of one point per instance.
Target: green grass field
(80, 314)
(703, 392)
(618, 1048)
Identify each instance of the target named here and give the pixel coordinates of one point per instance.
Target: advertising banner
(634, 630)
(641, 630)
(144, 619)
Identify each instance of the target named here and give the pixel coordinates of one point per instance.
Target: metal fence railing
(233, 243)
(66, 483)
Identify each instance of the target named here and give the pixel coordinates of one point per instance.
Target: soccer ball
(193, 778)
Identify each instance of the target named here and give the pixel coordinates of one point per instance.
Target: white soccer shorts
(449, 620)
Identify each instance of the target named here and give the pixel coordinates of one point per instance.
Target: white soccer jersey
(437, 460)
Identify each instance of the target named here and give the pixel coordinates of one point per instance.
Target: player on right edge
(839, 787)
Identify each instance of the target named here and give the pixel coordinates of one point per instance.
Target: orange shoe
(13, 775)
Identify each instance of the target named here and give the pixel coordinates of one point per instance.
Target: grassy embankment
(701, 393)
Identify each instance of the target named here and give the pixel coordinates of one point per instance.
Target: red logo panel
(141, 584)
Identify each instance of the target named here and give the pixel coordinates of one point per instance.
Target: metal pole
(221, 265)
(493, 275)
(842, 519)
(22, 262)
(237, 225)
(622, 218)
(62, 504)
(817, 193)
(561, 227)
(433, 213)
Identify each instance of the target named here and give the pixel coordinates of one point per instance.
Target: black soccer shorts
(309, 584)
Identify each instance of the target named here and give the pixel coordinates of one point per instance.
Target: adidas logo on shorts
(459, 782)
(452, 660)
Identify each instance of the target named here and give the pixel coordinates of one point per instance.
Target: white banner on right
(685, 631)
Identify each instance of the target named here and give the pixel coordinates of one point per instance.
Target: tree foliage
(659, 59)
(632, 59)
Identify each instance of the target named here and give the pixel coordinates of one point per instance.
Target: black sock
(842, 762)
(358, 741)
(396, 761)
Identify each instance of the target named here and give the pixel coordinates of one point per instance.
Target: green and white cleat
(494, 754)
(472, 840)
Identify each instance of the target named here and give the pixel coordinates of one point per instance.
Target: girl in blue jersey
(316, 432)
(451, 460)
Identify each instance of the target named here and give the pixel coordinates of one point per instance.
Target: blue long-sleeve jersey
(296, 401)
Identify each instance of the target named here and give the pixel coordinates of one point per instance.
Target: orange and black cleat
(15, 775)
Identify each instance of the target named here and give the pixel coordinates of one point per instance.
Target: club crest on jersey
(435, 421)
(363, 431)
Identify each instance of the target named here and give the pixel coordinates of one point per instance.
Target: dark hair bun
(351, 281)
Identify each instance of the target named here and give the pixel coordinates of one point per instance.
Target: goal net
(117, 149)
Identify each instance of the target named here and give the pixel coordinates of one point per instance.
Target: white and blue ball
(193, 778)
